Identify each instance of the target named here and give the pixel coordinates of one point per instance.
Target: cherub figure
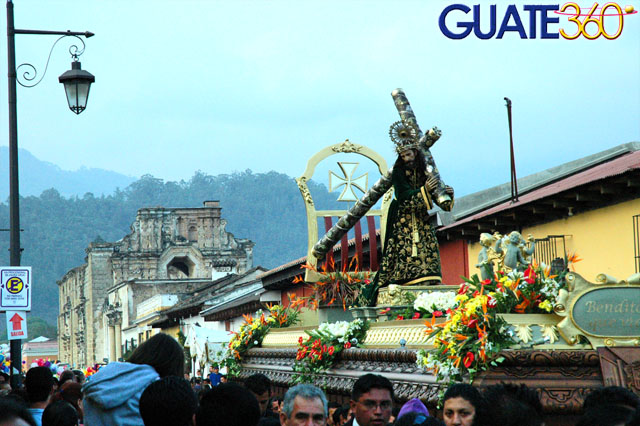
(487, 255)
(516, 253)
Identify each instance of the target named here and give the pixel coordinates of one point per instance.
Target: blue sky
(223, 86)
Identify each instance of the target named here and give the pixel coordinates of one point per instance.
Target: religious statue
(487, 255)
(411, 254)
(515, 251)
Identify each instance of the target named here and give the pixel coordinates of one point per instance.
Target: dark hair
(330, 404)
(471, 395)
(70, 392)
(510, 404)
(80, 376)
(11, 409)
(417, 419)
(421, 162)
(169, 401)
(66, 376)
(258, 384)
(340, 412)
(163, 353)
(5, 375)
(228, 404)
(269, 421)
(60, 413)
(39, 383)
(611, 395)
(370, 381)
(607, 414)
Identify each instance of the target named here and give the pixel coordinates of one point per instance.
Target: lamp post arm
(86, 34)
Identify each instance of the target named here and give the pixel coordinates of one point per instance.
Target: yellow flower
(546, 305)
(462, 298)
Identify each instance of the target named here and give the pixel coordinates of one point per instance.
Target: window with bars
(636, 241)
(551, 250)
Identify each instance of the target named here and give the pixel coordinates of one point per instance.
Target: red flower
(463, 289)
(331, 350)
(384, 311)
(486, 282)
(492, 302)
(400, 317)
(449, 311)
(347, 345)
(530, 275)
(416, 315)
(468, 359)
(300, 340)
(472, 323)
(439, 313)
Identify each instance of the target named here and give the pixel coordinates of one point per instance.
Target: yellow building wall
(603, 238)
(171, 331)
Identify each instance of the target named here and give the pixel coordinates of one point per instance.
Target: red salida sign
(16, 325)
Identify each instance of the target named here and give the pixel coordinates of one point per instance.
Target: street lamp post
(77, 83)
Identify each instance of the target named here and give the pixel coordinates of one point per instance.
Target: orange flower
(573, 258)
(483, 354)
(520, 308)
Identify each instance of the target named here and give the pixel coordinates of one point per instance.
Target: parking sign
(15, 288)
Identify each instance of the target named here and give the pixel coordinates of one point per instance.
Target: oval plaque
(608, 312)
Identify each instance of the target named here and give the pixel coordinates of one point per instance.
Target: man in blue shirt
(214, 375)
(39, 385)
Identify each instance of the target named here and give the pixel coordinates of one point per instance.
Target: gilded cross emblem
(350, 183)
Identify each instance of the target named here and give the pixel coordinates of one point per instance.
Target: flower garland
(472, 335)
(253, 330)
(318, 352)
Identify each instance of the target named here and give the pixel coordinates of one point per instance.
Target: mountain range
(36, 176)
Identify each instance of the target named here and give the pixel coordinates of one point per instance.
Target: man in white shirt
(371, 401)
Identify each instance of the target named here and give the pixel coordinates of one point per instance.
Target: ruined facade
(168, 252)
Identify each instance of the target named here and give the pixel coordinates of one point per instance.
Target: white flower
(337, 329)
(435, 301)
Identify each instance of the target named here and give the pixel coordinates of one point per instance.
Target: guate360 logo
(586, 22)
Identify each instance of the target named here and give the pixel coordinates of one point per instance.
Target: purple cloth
(413, 406)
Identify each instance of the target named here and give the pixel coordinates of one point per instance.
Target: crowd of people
(150, 389)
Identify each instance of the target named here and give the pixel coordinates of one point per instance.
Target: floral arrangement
(253, 330)
(469, 339)
(434, 302)
(425, 305)
(318, 352)
(346, 287)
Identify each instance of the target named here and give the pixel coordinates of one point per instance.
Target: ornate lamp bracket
(27, 75)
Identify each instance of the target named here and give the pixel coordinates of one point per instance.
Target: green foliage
(319, 352)
(264, 207)
(253, 330)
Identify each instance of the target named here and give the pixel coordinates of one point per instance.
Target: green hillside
(265, 207)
